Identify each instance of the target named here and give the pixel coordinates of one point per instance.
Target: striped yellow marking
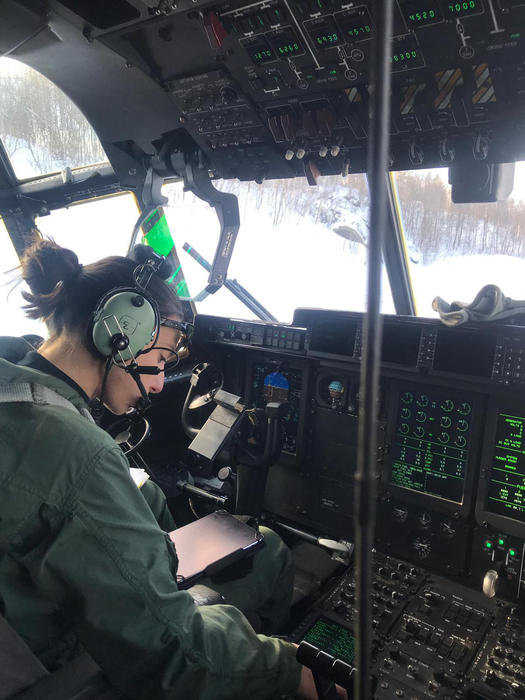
(447, 81)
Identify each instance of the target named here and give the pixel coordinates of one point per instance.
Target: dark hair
(65, 294)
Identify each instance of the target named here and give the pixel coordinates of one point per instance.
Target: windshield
(297, 245)
(41, 129)
(456, 249)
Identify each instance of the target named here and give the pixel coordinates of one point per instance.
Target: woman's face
(122, 392)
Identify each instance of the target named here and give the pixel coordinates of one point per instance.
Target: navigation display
(431, 442)
(506, 491)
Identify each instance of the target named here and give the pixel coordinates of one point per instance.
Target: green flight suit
(83, 559)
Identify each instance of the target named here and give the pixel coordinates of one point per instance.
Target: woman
(85, 560)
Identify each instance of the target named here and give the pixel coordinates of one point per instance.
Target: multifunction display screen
(334, 336)
(430, 445)
(465, 352)
(400, 343)
(332, 638)
(506, 492)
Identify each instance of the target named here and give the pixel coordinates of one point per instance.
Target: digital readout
(406, 54)
(419, 13)
(285, 43)
(355, 24)
(464, 8)
(259, 50)
(506, 493)
(324, 33)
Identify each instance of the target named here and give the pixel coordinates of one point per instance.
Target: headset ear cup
(124, 313)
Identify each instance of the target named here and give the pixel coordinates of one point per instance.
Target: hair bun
(45, 264)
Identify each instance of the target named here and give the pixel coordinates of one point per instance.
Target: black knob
(439, 675)
(395, 651)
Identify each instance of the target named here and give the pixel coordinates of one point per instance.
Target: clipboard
(212, 543)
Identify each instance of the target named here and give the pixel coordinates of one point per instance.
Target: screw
(132, 171)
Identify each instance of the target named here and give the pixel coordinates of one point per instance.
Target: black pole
(365, 479)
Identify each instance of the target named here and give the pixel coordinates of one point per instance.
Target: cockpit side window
(41, 129)
(456, 249)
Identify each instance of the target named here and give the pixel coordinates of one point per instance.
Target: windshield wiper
(235, 288)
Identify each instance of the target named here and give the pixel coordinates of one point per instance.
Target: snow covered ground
(300, 261)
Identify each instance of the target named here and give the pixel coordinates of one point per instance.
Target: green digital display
(419, 13)
(406, 54)
(464, 8)
(355, 24)
(259, 50)
(285, 43)
(431, 444)
(332, 638)
(324, 33)
(506, 492)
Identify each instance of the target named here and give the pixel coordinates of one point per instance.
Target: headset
(127, 319)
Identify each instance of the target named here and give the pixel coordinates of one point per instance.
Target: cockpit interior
(385, 446)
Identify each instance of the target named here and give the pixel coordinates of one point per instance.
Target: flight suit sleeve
(113, 571)
(156, 500)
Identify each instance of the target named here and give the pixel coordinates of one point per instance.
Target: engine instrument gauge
(258, 49)
(406, 54)
(324, 33)
(464, 8)
(285, 43)
(355, 24)
(420, 13)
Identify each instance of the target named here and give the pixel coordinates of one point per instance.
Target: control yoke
(231, 425)
(226, 205)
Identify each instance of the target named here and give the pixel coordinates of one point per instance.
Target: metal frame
(365, 494)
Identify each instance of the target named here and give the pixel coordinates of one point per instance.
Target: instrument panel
(447, 587)
(275, 88)
(451, 433)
